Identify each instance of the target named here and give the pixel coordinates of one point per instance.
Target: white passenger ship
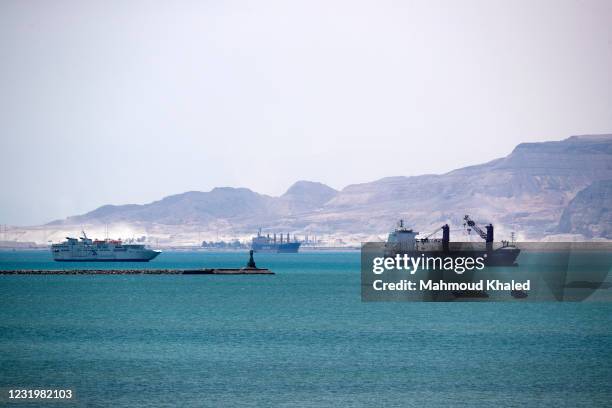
(108, 250)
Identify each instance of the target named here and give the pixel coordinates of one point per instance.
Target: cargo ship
(404, 240)
(108, 250)
(262, 243)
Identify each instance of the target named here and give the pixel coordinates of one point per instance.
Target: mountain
(193, 207)
(590, 212)
(306, 196)
(525, 192)
(537, 190)
(222, 207)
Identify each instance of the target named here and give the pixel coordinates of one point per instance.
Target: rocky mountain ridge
(537, 190)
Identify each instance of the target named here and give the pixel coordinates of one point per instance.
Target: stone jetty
(204, 271)
(249, 269)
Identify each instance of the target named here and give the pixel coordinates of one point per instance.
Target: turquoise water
(300, 338)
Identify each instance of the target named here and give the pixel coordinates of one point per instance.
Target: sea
(299, 338)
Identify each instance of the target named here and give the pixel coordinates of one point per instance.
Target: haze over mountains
(538, 190)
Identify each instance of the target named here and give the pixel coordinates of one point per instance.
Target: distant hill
(590, 212)
(306, 196)
(525, 191)
(537, 190)
(238, 207)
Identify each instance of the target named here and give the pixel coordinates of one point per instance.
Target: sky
(116, 102)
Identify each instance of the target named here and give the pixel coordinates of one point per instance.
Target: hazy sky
(126, 102)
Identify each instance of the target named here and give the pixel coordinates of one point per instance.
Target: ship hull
(110, 257)
(288, 248)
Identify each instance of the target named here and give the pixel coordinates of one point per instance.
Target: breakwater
(204, 271)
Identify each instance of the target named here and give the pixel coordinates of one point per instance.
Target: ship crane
(471, 225)
(433, 233)
(445, 236)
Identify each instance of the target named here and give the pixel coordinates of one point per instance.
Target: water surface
(299, 338)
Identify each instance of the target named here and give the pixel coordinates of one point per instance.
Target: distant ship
(404, 240)
(87, 250)
(262, 243)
